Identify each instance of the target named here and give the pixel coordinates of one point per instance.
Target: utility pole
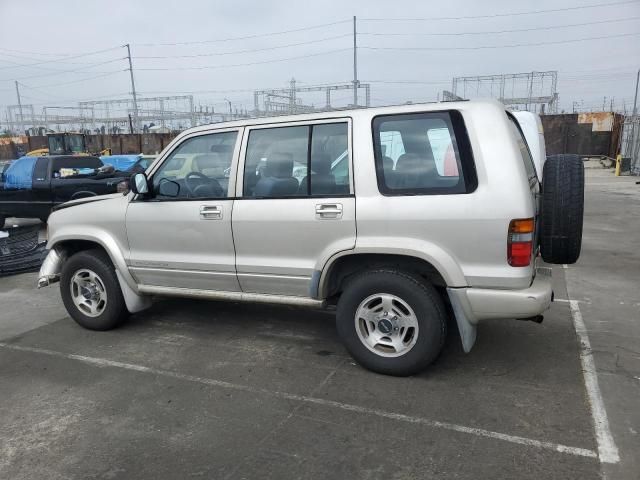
(631, 138)
(21, 124)
(292, 96)
(355, 64)
(133, 89)
(230, 111)
(635, 98)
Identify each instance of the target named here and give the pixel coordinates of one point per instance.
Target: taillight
(520, 242)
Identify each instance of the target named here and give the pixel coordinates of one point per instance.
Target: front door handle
(329, 211)
(210, 212)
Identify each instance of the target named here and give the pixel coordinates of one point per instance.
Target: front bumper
(471, 305)
(51, 267)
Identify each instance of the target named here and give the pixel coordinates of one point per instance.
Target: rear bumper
(471, 305)
(487, 303)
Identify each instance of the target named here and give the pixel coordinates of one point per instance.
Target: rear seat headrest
(321, 163)
(279, 165)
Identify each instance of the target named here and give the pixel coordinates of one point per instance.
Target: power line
(482, 47)
(18, 64)
(75, 70)
(236, 90)
(96, 52)
(32, 53)
(552, 27)
(67, 99)
(410, 82)
(245, 51)
(514, 14)
(104, 74)
(245, 37)
(207, 67)
(57, 71)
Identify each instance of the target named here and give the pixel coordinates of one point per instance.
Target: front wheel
(391, 322)
(91, 292)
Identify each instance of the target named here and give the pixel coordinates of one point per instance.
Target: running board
(230, 296)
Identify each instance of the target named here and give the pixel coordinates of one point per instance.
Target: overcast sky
(37, 31)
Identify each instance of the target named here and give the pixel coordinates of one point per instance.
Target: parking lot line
(479, 432)
(607, 449)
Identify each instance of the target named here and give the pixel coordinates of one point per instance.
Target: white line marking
(102, 362)
(607, 450)
(565, 266)
(564, 300)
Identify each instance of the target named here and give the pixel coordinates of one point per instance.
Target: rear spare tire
(562, 209)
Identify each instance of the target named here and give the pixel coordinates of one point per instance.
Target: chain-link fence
(630, 144)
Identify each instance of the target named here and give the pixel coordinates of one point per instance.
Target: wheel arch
(134, 301)
(343, 266)
(74, 243)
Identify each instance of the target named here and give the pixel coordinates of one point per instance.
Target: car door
(297, 206)
(180, 234)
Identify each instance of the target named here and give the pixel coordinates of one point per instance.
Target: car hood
(82, 201)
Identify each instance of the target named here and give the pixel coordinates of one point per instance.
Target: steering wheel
(199, 185)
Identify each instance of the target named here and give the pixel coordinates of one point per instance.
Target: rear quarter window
(525, 154)
(423, 154)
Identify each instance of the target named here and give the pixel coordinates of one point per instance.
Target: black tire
(115, 310)
(2, 220)
(423, 299)
(562, 209)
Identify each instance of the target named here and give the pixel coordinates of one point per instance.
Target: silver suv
(400, 217)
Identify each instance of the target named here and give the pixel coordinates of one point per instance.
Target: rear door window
(298, 161)
(40, 172)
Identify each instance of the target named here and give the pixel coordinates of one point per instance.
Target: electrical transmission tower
(533, 91)
(283, 101)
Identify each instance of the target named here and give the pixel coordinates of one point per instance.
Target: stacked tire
(562, 212)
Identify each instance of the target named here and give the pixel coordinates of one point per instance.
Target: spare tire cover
(562, 209)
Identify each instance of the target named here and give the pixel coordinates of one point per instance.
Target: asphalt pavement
(195, 389)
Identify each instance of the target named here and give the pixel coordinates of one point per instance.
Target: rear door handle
(329, 211)
(210, 212)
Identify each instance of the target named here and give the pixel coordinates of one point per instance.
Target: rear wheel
(391, 322)
(91, 292)
(562, 209)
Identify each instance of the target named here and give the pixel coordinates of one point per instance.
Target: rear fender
(439, 258)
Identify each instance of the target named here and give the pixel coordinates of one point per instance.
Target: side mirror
(140, 184)
(168, 188)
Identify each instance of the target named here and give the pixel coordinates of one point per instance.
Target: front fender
(95, 235)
